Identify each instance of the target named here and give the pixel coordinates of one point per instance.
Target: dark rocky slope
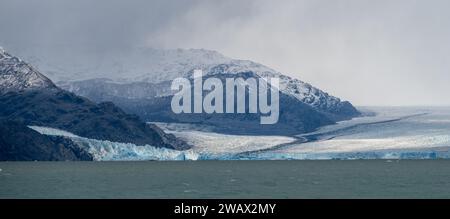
(20, 143)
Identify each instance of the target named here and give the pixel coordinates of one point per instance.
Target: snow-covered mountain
(138, 80)
(27, 97)
(16, 75)
(155, 66)
(296, 88)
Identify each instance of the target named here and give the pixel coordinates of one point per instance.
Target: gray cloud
(382, 52)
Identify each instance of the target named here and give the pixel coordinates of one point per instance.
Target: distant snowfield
(369, 144)
(373, 115)
(426, 134)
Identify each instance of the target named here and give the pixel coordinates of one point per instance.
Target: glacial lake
(227, 179)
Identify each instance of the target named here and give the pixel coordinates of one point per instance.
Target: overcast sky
(378, 52)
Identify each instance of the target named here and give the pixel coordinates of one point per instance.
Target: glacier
(391, 133)
(384, 133)
(205, 141)
(113, 151)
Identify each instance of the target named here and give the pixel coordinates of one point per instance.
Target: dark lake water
(227, 179)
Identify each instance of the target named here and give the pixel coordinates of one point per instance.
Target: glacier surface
(207, 142)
